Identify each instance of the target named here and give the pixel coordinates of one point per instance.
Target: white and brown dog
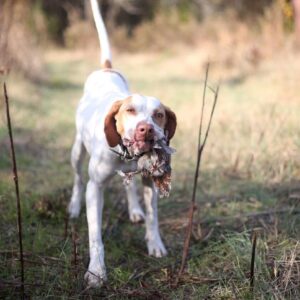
(109, 116)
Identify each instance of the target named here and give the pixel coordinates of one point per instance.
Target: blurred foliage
(69, 23)
(287, 13)
(17, 43)
(56, 15)
(131, 13)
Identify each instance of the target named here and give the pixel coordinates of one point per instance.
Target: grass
(250, 167)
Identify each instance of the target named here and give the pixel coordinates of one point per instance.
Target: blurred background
(230, 32)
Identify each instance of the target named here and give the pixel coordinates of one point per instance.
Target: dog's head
(138, 122)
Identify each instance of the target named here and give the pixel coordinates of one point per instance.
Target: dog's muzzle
(144, 137)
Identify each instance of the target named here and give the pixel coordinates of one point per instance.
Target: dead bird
(154, 164)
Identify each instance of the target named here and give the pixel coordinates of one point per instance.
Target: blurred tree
(128, 13)
(17, 46)
(131, 13)
(18, 34)
(6, 17)
(56, 13)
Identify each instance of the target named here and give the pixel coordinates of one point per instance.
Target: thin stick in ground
(252, 266)
(200, 149)
(16, 180)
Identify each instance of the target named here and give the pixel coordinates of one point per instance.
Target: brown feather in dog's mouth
(154, 164)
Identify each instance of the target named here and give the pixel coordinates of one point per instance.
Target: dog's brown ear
(110, 129)
(171, 124)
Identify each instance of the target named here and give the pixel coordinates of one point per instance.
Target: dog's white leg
(77, 156)
(154, 242)
(136, 213)
(96, 273)
(100, 171)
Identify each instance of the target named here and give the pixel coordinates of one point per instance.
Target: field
(249, 181)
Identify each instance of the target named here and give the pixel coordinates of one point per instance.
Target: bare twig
(15, 172)
(200, 149)
(252, 269)
(203, 105)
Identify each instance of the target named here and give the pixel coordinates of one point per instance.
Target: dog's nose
(144, 131)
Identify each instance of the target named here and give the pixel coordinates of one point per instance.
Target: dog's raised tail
(105, 59)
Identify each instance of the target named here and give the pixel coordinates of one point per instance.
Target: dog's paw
(156, 247)
(95, 279)
(136, 215)
(74, 209)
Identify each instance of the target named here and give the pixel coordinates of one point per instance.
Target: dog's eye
(130, 110)
(159, 115)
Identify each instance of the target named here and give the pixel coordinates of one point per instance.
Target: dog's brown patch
(107, 64)
(159, 117)
(122, 115)
(113, 124)
(171, 124)
(112, 136)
